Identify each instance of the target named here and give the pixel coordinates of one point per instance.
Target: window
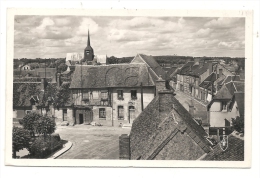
(120, 112)
(85, 95)
(224, 106)
(28, 112)
(104, 96)
(120, 94)
(102, 113)
(64, 114)
(133, 94)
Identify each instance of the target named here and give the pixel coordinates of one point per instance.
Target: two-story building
(111, 94)
(228, 103)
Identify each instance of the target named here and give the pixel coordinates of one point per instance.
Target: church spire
(88, 39)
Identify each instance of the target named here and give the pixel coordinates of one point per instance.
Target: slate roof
(209, 80)
(156, 126)
(154, 66)
(185, 70)
(118, 75)
(227, 91)
(234, 152)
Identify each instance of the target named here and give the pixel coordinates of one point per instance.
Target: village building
(165, 130)
(111, 94)
(226, 105)
(191, 75)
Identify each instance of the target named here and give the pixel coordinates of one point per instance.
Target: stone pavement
(92, 142)
(200, 109)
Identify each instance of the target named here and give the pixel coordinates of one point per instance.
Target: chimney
(58, 80)
(220, 72)
(160, 85)
(124, 147)
(165, 102)
(191, 108)
(210, 67)
(43, 84)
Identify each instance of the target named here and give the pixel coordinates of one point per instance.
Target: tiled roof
(234, 152)
(154, 65)
(209, 80)
(187, 68)
(156, 126)
(104, 76)
(223, 93)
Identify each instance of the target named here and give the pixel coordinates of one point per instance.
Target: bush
(29, 122)
(45, 125)
(44, 146)
(21, 139)
(238, 124)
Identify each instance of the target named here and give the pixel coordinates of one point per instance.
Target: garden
(37, 136)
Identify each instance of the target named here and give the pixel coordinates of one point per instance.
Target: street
(200, 110)
(92, 142)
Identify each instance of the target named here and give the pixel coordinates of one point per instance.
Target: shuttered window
(120, 112)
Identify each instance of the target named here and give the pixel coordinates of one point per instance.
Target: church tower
(88, 52)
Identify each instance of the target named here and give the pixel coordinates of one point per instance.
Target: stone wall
(148, 95)
(124, 147)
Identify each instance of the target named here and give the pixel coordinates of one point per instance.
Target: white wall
(217, 117)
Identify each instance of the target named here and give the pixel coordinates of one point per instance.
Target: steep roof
(234, 152)
(153, 65)
(104, 76)
(159, 123)
(227, 91)
(185, 70)
(209, 80)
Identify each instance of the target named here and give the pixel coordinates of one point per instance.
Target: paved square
(92, 142)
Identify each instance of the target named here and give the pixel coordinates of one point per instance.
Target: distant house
(25, 67)
(111, 94)
(228, 103)
(101, 59)
(190, 76)
(166, 130)
(210, 85)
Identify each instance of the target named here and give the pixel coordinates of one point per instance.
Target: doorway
(80, 118)
(131, 113)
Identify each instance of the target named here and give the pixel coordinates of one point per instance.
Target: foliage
(34, 65)
(21, 139)
(45, 125)
(238, 124)
(62, 67)
(116, 60)
(44, 146)
(62, 97)
(29, 122)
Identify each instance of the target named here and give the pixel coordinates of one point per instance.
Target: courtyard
(92, 142)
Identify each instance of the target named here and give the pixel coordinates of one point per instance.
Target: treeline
(173, 59)
(59, 63)
(116, 60)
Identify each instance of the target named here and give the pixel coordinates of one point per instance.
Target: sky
(54, 36)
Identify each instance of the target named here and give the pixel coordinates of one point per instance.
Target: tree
(238, 124)
(29, 122)
(62, 67)
(45, 125)
(21, 139)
